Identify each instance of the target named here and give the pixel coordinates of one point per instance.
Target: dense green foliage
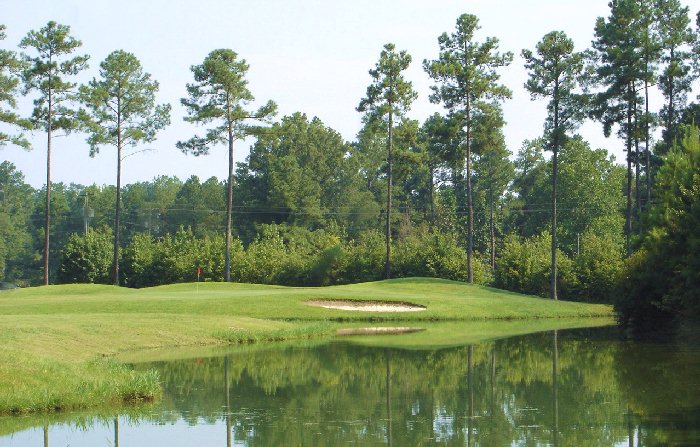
(87, 259)
(661, 279)
(281, 254)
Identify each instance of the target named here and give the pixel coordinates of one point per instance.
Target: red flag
(199, 272)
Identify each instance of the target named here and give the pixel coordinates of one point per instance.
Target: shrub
(363, 258)
(175, 258)
(437, 255)
(87, 258)
(137, 259)
(525, 267)
(597, 268)
(263, 260)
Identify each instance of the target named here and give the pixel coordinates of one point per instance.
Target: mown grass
(59, 343)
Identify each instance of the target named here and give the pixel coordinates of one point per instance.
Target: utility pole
(87, 212)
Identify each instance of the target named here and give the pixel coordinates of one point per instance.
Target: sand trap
(378, 330)
(366, 306)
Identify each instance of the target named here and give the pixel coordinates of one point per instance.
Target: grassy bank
(59, 342)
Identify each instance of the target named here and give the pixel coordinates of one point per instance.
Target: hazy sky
(310, 56)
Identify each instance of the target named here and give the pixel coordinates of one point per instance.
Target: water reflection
(560, 388)
(555, 386)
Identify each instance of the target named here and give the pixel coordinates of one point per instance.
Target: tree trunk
(646, 140)
(229, 194)
(628, 144)
(47, 208)
(117, 220)
(637, 195)
(432, 195)
(117, 207)
(470, 207)
(555, 174)
(492, 232)
(390, 160)
(671, 112)
(116, 431)
(229, 208)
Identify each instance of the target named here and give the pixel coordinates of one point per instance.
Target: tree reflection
(227, 408)
(116, 431)
(470, 384)
(334, 390)
(555, 388)
(388, 396)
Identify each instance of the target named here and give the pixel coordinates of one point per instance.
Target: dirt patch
(366, 306)
(378, 330)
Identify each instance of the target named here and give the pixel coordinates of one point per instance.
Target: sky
(309, 56)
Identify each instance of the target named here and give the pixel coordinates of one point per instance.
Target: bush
(263, 260)
(597, 268)
(87, 258)
(641, 291)
(174, 259)
(311, 258)
(137, 259)
(525, 267)
(363, 258)
(436, 255)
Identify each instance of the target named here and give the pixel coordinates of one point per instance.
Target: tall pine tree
(554, 74)
(220, 96)
(48, 72)
(467, 80)
(9, 82)
(121, 113)
(388, 97)
(618, 45)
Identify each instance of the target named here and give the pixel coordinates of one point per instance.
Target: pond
(584, 387)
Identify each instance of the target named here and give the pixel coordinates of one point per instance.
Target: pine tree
(388, 97)
(48, 73)
(467, 79)
(554, 74)
(220, 96)
(618, 44)
(9, 82)
(121, 112)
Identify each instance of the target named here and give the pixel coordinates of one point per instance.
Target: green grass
(59, 343)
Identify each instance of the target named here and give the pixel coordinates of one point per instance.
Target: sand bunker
(378, 330)
(367, 306)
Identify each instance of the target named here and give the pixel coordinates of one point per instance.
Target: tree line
(565, 225)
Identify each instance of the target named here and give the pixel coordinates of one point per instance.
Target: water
(569, 388)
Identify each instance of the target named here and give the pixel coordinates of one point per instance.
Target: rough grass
(58, 343)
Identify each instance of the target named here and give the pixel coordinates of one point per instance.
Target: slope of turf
(59, 342)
